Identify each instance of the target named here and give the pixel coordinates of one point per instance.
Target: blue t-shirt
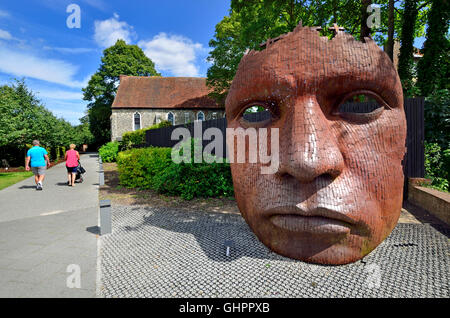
(37, 156)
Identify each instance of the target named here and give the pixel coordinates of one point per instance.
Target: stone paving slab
(43, 232)
(159, 252)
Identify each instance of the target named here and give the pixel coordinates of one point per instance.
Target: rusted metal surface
(337, 193)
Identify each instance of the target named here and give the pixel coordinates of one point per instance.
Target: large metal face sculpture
(337, 192)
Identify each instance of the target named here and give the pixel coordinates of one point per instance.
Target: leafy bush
(138, 167)
(437, 118)
(153, 168)
(109, 151)
(190, 180)
(437, 166)
(137, 137)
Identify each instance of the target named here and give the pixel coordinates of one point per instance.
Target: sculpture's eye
(361, 107)
(258, 114)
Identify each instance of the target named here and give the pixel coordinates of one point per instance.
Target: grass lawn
(9, 178)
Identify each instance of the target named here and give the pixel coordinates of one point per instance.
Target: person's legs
(41, 176)
(74, 175)
(36, 176)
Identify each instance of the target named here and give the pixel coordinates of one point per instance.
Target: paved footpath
(42, 233)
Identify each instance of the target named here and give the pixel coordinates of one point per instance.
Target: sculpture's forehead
(308, 62)
(305, 55)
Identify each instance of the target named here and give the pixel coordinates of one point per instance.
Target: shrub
(138, 167)
(437, 166)
(109, 151)
(137, 137)
(153, 168)
(190, 180)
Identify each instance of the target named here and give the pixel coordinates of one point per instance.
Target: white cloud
(5, 35)
(4, 14)
(69, 50)
(173, 53)
(25, 64)
(60, 94)
(107, 32)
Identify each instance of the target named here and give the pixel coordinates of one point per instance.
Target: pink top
(72, 158)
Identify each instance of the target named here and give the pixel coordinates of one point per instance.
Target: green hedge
(152, 168)
(109, 151)
(137, 137)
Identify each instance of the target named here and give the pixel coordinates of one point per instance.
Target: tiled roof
(163, 92)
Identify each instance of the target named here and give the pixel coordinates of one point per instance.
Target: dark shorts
(71, 169)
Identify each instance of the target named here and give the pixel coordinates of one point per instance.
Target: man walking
(39, 163)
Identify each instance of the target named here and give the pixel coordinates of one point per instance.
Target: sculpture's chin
(331, 244)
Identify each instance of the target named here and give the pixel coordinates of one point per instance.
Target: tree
(365, 29)
(406, 69)
(119, 59)
(405, 61)
(225, 56)
(433, 70)
(252, 22)
(24, 119)
(391, 30)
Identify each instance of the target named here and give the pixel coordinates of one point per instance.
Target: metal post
(228, 244)
(101, 178)
(105, 217)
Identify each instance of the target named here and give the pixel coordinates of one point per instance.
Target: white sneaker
(39, 186)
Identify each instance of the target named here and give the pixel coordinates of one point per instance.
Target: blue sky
(56, 61)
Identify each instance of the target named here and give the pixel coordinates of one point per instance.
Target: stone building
(144, 101)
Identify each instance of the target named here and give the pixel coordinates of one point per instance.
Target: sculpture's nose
(310, 148)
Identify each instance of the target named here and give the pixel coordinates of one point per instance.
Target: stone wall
(122, 120)
(434, 201)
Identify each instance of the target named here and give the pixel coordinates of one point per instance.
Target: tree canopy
(119, 59)
(252, 22)
(24, 118)
(433, 70)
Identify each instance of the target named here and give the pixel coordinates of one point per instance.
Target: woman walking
(72, 156)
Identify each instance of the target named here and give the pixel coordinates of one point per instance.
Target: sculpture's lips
(319, 220)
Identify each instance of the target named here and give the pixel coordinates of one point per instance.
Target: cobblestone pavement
(159, 252)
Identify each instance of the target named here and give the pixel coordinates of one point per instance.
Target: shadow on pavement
(212, 232)
(27, 187)
(93, 229)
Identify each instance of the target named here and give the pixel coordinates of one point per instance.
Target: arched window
(137, 121)
(171, 118)
(200, 116)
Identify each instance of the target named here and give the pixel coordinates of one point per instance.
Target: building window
(158, 119)
(186, 118)
(214, 116)
(200, 116)
(171, 118)
(137, 121)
